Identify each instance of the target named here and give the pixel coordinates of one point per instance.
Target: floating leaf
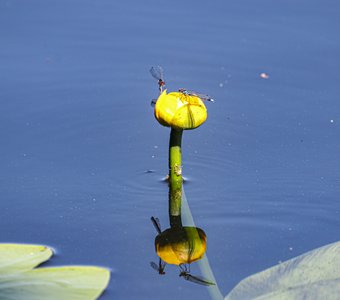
(313, 275)
(18, 281)
(15, 258)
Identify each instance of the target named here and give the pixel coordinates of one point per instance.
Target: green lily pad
(19, 281)
(314, 275)
(16, 258)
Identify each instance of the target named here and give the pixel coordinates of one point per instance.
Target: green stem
(175, 177)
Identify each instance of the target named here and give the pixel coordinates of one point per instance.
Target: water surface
(78, 133)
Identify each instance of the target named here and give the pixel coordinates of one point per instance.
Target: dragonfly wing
(154, 266)
(157, 72)
(203, 97)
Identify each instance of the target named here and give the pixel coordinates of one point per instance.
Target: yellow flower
(180, 111)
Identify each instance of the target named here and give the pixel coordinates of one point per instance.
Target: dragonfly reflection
(185, 273)
(159, 268)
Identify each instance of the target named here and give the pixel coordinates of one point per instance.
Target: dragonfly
(161, 264)
(203, 97)
(157, 73)
(185, 273)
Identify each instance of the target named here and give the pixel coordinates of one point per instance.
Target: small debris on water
(221, 84)
(264, 75)
(332, 121)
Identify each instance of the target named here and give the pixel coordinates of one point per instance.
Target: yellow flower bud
(180, 111)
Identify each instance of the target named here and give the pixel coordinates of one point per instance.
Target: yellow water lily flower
(180, 110)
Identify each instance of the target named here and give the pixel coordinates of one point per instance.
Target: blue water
(78, 133)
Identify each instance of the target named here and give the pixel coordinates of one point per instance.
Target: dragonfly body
(195, 279)
(156, 224)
